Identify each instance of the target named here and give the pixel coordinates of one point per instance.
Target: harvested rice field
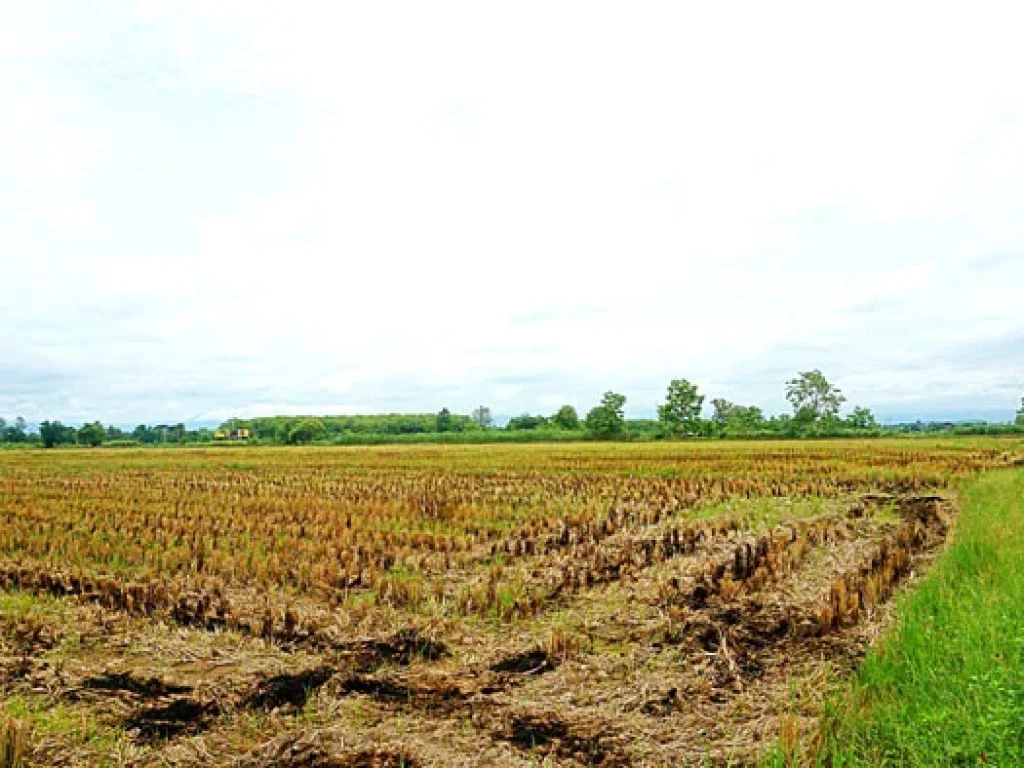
(657, 604)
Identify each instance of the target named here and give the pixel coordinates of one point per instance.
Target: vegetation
(731, 420)
(92, 434)
(813, 398)
(305, 431)
(607, 419)
(481, 416)
(567, 418)
(816, 414)
(680, 414)
(526, 421)
(598, 603)
(945, 688)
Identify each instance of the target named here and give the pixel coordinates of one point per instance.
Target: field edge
(945, 685)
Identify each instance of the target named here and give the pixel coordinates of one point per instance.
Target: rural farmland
(609, 604)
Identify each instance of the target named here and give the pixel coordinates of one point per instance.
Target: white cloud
(217, 207)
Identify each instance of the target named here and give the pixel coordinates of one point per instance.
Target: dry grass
(605, 605)
(13, 743)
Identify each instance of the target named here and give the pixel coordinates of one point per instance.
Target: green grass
(946, 686)
(48, 721)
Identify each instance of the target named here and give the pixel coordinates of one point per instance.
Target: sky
(212, 208)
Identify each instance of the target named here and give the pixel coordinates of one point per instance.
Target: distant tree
(861, 419)
(782, 424)
(481, 415)
(49, 432)
(1020, 414)
(145, 434)
(608, 418)
(732, 419)
(813, 398)
(526, 421)
(444, 420)
(680, 413)
(14, 433)
(92, 434)
(54, 433)
(720, 415)
(566, 418)
(306, 431)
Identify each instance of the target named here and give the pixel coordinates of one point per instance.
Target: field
(589, 604)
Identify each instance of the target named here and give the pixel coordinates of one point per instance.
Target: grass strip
(946, 685)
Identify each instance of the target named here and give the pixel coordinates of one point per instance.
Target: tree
(526, 421)
(145, 434)
(13, 433)
(444, 420)
(732, 419)
(54, 433)
(306, 431)
(608, 418)
(813, 397)
(862, 418)
(1020, 414)
(722, 409)
(566, 418)
(680, 413)
(49, 432)
(92, 434)
(482, 416)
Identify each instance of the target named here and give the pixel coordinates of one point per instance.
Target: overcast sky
(219, 208)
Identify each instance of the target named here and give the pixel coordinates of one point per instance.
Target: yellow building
(240, 433)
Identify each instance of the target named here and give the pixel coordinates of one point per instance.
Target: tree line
(816, 412)
(53, 433)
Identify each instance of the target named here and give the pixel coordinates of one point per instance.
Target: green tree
(720, 416)
(1020, 414)
(730, 419)
(813, 398)
(92, 434)
(14, 433)
(444, 420)
(526, 421)
(608, 418)
(481, 415)
(54, 433)
(49, 432)
(861, 419)
(306, 431)
(566, 418)
(680, 413)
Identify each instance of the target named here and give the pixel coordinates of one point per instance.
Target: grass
(41, 721)
(946, 687)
